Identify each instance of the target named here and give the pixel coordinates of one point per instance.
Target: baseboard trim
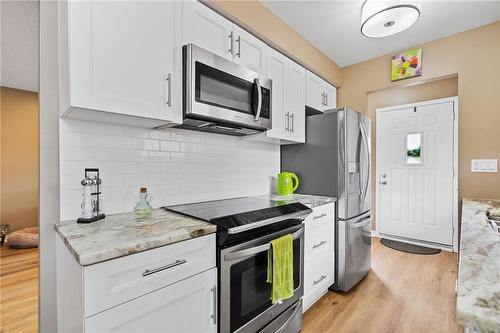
(414, 242)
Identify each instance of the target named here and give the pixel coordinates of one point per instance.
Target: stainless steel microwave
(223, 97)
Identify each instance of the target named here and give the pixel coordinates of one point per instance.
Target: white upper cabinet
(207, 29)
(278, 73)
(315, 94)
(330, 96)
(120, 63)
(249, 51)
(320, 94)
(288, 98)
(297, 102)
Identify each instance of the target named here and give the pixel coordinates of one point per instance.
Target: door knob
(383, 182)
(384, 175)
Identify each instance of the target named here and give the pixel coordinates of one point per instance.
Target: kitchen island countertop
(478, 293)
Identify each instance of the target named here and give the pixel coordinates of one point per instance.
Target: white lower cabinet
(188, 306)
(319, 253)
(171, 288)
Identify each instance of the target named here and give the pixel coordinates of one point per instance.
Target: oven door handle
(257, 249)
(259, 98)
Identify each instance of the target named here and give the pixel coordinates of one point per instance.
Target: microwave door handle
(259, 99)
(257, 249)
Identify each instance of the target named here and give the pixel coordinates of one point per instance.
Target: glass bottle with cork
(143, 207)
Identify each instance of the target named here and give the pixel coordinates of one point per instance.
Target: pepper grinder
(91, 198)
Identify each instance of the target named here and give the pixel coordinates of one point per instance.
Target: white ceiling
(19, 44)
(334, 26)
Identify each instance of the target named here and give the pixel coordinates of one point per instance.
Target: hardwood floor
(402, 293)
(18, 290)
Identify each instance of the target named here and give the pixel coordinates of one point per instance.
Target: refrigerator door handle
(365, 139)
(361, 223)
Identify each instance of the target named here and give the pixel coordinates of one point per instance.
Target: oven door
(245, 303)
(219, 90)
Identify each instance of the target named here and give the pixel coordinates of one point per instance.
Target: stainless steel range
(246, 227)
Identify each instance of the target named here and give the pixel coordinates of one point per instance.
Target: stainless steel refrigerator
(335, 161)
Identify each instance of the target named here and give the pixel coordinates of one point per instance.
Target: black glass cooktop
(242, 213)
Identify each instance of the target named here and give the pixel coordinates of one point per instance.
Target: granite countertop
(122, 234)
(478, 294)
(310, 201)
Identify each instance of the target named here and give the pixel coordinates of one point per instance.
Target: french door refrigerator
(335, 161)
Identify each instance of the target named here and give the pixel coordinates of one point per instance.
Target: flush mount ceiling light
(385, 18)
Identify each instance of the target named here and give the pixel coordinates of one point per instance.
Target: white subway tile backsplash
(147, 144)
(177, 166)
(170, 146)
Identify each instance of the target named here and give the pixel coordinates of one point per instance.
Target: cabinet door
(297, 102)
(331, 96)
(249, 51)
(121, 57)
(278, 72)
(315, 93)
(207, 29)
(188, 306)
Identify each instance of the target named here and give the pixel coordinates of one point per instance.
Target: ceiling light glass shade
(385, 18)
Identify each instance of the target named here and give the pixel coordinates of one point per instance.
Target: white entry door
(415, 160)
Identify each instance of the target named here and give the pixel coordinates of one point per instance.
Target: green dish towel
(280, 268)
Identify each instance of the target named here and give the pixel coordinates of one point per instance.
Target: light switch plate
(484, 165)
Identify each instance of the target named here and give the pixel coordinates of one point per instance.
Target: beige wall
(256, 18)
(19, 158)
(474, 56)
(403, 95)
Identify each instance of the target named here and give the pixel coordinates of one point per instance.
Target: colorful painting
(406, 65)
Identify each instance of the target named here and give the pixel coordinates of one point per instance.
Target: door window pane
(414, 148)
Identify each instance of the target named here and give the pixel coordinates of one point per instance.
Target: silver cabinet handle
(287, 121)
(239, 46)
(291, 122)
(315, 282)
(315, 246)
(231, 41)
(326, 99)
(322, 98)
(168, 81)
(319, 216)
(162, 268)
(214, 315)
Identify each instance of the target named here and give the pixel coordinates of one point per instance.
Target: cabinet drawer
(117, 281)
(320, 215)
(319, 240)
(186, 306)
(318, 275)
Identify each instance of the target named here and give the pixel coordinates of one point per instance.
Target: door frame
(454, 247)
